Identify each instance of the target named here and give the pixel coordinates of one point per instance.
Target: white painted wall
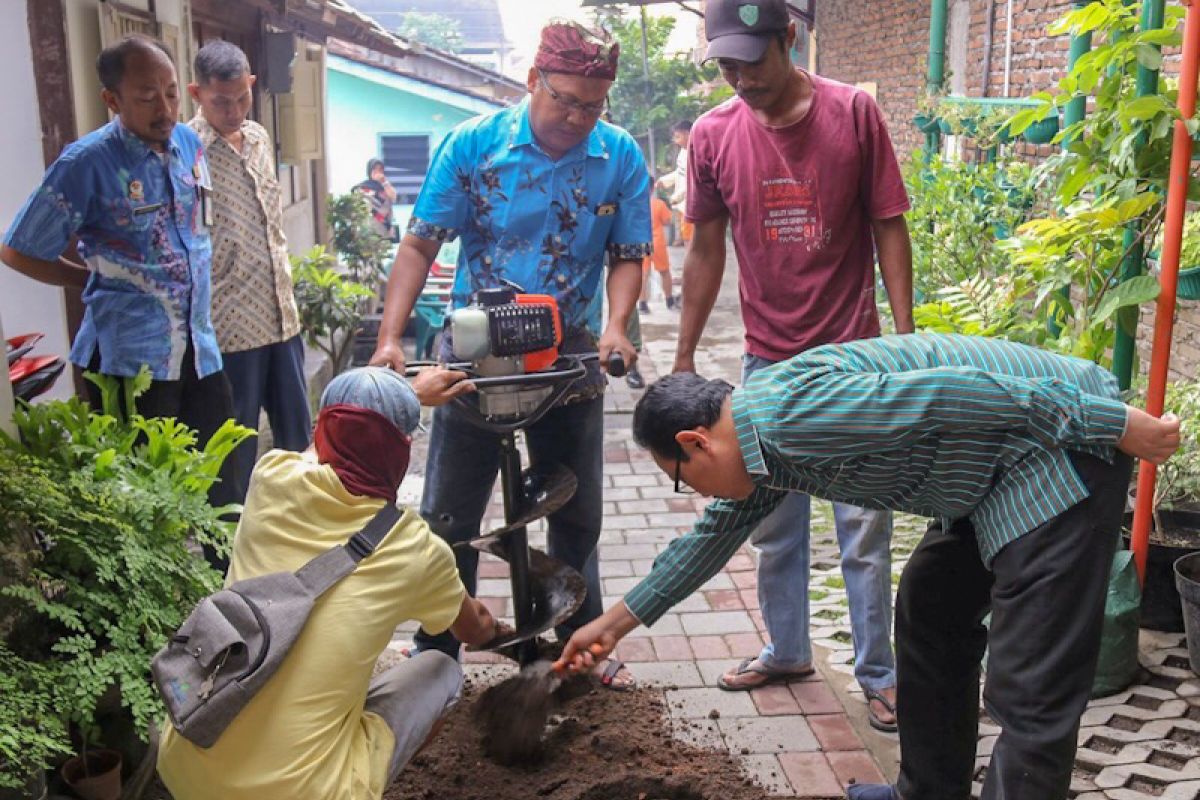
(25, 305)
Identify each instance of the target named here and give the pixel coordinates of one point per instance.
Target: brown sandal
(607, 677)
(770, 676)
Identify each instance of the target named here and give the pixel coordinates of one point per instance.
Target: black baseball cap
(741, 29)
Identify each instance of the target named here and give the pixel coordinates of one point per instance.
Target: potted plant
(102, 516)
(926, 118)
(1175, 527)
(330, 305)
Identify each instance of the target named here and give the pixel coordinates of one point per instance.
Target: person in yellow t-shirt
(322, 727)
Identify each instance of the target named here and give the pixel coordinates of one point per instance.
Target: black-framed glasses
(590, 110)
(680, 486)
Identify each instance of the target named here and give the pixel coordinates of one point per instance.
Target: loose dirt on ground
(599, 745)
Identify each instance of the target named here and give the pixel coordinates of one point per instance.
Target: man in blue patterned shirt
(541, 194)
(1008, 448)
(131, 195)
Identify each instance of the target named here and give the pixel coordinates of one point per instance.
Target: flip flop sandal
(875, 721)
(771, 676)
(609, 674)
(871, 791)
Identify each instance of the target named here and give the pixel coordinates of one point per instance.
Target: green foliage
(101, 518)
(674, 91)
(1122, 147)
(362, 250)
(32, 732)
(330, 305)
(958, 212)
(1178, 481)
(432, 29)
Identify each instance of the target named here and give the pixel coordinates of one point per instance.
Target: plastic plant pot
(926, 123)
(1043, 131)
(1189, 283)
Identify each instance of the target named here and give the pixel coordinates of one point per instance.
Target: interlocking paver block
(700, 703)
(635, 649)
(855, 766)
(698, 733)
(774, 700)
(834, 732)
(767, 772)
(768, 734)
(816, 698)
(724, 600)
(810, 775)
(667, 625)
(709, 647)
(668, 674)
(744, 644)
(672, 648)
(717, 622)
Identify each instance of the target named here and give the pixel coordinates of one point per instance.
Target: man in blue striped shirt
(1011, 451)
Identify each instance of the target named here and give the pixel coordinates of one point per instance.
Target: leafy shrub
(102, 517)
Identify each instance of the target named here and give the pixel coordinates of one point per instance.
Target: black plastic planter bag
(1118, 663)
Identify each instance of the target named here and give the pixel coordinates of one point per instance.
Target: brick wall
(888, 43)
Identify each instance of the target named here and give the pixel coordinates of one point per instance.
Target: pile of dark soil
(600, 745)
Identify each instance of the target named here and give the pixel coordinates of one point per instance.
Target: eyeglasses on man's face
(589, 110)
(680, 486)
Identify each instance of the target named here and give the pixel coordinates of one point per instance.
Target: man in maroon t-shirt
(803, 168)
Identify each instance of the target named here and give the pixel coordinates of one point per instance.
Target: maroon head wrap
(570, 48)
(368, 453)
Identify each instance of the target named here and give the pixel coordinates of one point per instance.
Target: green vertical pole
(937, 64)
(1134, 264)
(1077, 108)
(1075, 111)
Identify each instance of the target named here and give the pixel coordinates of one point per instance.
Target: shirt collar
(522, 134)
(748, 440)
(137, 148)
(209, 135)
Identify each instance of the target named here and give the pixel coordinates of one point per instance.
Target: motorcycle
(30, 375)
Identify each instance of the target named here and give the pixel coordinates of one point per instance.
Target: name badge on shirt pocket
(606, 209)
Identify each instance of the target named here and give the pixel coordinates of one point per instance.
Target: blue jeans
(783, 539)
(461, 471)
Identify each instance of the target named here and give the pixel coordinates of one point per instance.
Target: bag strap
(325, 570)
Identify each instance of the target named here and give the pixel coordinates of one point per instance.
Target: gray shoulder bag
(234, 640)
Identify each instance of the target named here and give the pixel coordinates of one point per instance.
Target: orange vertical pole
(1164, 317)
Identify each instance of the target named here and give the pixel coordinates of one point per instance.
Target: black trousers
(203, 404)
(272, 378)
(1046, 593)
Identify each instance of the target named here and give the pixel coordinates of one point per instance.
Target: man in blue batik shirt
(542, 194)
(132, 194)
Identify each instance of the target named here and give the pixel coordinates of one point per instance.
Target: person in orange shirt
(660, 217)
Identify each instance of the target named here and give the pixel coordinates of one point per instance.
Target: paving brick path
(810, 739)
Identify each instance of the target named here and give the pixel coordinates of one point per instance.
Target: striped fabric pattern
(930, 424)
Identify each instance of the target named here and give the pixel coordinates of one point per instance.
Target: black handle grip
(616, 364)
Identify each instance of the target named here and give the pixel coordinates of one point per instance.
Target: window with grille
(405, 160)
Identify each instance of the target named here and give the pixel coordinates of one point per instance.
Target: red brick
(810, 774)
(638, 649)
(853, 766)
(815, 697)
(744, 644)
(774, 700)
(616, 456)
(672, 648)
(745, 580)
(833, 731)
(492, 569)
(709, 647)
(759, 622)
(497, 605)
(740, 563)
(724, 600)
(749, 598)
(680, 505)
